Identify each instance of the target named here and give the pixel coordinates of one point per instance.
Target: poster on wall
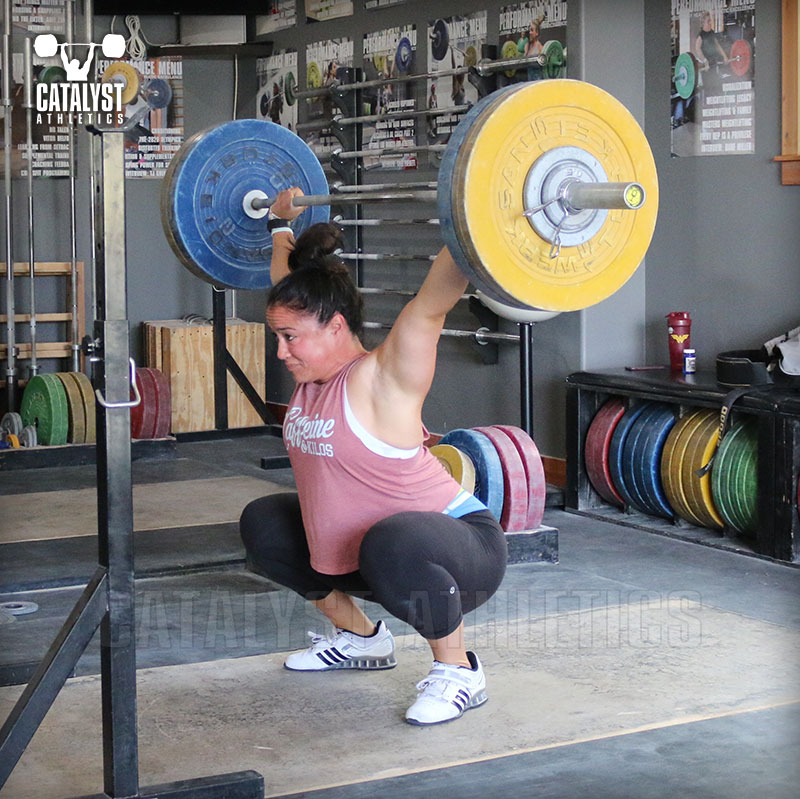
(277, 82)
(712, 103)
(534, 29)
(319, 10)
(323, 60)
(453, 43)
(152, 111)
(39, 16)
(389, 53)
(279, 14)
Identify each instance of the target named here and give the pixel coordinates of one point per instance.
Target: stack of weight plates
(689, 447)
(734, 481)
(623, 452)
(638, 456)
(14, 434)
(501, 465)
(152, 417)
(58, 409)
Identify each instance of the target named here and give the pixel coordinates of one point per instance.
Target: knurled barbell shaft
(482, 335)
(418, 112)
(364, 187)
(579, 195)
(378, 222)
(383, 151)
(339, 199)
(377, 256)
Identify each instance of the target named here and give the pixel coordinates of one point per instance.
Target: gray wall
(725, 246)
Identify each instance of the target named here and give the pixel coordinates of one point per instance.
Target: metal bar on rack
(378, 222)
(376, 256)
(419, 112)
(526, 376)
(365, 187)
(88, 11)
(384, 151)
(73, 217)
(482, 335)
(400, 292)
(368, 84)
(28, 106)
(11, 345)
(346, 199)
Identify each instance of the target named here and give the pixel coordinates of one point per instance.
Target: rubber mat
(31, 517)
(561, 678)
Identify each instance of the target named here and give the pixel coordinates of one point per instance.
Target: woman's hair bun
(315, 247)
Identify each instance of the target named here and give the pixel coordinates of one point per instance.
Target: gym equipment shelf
(777, 412)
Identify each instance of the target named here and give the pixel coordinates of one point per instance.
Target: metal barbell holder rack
(480, 69)
(107, 602)
(411, 112)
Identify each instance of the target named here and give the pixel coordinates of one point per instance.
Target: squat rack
(107, 602)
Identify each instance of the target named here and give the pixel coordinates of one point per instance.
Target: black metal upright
(526, 376)
(220, 352)
(108, 600)
(114, 492)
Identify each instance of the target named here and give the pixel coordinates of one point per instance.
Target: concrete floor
(639, 666)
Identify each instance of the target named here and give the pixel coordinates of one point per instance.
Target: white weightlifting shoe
(447, 692)
(342, 649)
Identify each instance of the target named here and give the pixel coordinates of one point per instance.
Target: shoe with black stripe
(342, 649)
(447, 692)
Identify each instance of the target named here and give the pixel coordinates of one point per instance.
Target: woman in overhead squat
(375, 514)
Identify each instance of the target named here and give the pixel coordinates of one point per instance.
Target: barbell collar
(260, 203)
(579, 196)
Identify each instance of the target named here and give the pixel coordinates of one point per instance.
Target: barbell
(547, 196)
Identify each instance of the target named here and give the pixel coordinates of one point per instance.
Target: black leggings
(425, 568)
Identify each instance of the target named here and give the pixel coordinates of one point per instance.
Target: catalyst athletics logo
(76, 100)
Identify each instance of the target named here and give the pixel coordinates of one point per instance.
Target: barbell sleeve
(579, 195)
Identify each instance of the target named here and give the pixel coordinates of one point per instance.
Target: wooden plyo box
(185, 354)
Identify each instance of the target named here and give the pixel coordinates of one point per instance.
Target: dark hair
(318, 282)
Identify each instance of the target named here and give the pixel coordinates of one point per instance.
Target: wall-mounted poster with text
(323, 60)
(534, 30)
(277, 86)
(152, 107)
(453, 44)
(712, 99)
(388, 54)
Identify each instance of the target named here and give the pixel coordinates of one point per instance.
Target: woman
(709, 53)
(374, 514)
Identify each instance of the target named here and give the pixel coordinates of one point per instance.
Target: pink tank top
(344, 483)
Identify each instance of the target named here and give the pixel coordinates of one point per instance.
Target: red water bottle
(679, 326)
